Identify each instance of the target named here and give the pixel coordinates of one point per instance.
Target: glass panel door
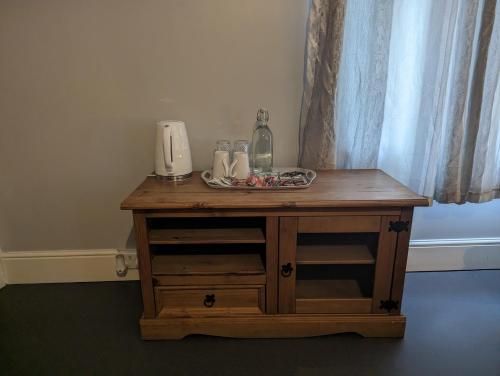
(323, 270)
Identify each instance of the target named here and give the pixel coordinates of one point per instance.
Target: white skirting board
(61, 266)
(3, 278)
(454, 254)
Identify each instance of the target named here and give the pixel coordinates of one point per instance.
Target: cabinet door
(337, 264)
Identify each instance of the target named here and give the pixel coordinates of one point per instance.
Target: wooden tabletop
(337, 188)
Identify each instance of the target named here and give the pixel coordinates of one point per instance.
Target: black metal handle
(209, 300)
(286, 270)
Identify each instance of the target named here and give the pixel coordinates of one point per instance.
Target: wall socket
(130, 257)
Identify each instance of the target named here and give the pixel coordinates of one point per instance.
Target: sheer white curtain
(418, 95)
(441, 124)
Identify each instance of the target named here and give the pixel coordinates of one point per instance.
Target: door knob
(209, 300)
(286, 270)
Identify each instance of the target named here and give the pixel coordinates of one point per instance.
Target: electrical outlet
(130, 257)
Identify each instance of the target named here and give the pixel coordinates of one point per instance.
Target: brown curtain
(322, 62)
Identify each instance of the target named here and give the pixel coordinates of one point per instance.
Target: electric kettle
(173, 155)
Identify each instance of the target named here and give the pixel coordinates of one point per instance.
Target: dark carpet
(453, 328)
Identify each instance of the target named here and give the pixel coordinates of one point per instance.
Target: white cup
(241, 166)
(220, 164)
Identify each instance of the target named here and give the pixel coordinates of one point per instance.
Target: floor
(91, 329)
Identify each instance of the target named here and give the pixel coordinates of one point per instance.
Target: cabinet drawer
(344, 223)
(209, 301)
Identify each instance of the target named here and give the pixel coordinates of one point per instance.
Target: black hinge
(399, 226)
(389, 305)
(155, 282)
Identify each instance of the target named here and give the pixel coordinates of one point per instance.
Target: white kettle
(173, 155)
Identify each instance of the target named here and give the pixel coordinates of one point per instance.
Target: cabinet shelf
(326, 254)
(328, 289)
(186, 264)
(331, 296)
(206, 236)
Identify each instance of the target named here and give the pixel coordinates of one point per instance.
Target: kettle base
(174, 177)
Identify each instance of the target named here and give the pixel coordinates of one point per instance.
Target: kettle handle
(167, 146)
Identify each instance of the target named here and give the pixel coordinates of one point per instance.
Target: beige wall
(82, 84)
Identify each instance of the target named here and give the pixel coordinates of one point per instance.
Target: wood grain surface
(347, 223)
(327, 289)
(338, 188)
(144, 261)
(209, 264)
(260, 297)
(272, 326)
(398, 276)
(334, 254)
(340, 305)
(209, 279)
(227, 300)
(272, 249)
(206, 236)
(287, 253)
(384, 264)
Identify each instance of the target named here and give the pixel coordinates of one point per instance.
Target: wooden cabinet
(324, 260)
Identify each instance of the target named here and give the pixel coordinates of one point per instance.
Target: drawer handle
(209, 300)
(286, 270)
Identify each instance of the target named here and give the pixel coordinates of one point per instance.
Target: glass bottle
(262, 144)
